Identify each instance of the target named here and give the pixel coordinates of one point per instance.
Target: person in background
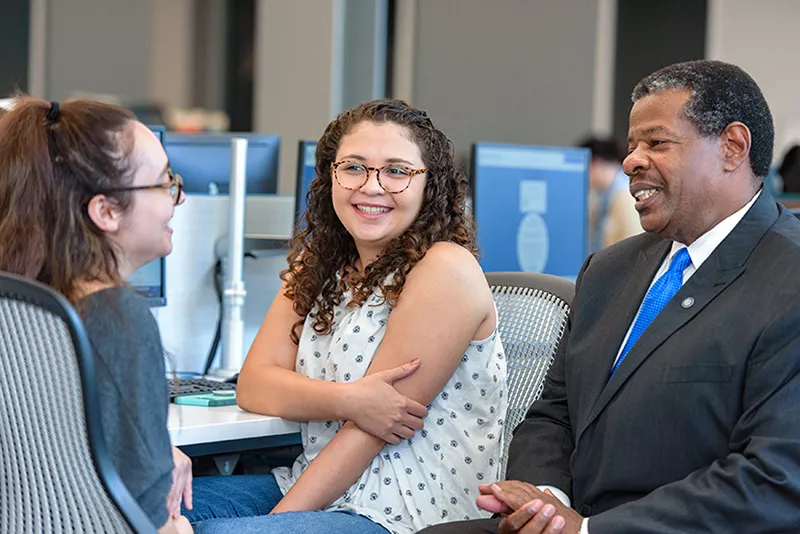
(86, 197)
(612, 214)
(789, 170)
(384, 317)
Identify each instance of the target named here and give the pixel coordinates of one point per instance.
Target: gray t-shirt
(134, 400)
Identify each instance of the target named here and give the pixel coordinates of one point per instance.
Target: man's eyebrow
(657, 129)
(652, 130)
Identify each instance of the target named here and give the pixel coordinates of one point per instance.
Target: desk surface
(199, 425)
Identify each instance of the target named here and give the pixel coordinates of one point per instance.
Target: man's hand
(516, 494)
(181, 484)
(529, 510)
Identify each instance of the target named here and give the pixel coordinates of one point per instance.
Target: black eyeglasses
(175, 186)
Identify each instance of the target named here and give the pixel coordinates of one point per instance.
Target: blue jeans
(240, 504)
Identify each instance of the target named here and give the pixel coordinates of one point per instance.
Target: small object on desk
(196, 385)
(215, 398)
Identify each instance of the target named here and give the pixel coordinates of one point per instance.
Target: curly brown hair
(51, 165)
(322, 261)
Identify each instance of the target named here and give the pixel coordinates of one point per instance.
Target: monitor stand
(234, 293)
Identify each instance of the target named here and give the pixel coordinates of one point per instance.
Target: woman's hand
(376, 407)
(178, 525)
(181, 483)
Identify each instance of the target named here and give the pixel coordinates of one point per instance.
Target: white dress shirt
(699, 251)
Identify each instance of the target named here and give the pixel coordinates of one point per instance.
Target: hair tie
(52, 113)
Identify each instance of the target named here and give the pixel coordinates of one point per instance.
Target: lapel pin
(687, 303)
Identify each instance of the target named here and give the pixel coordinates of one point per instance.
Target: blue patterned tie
(655, 300)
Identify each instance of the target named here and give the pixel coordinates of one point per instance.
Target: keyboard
(194, 386)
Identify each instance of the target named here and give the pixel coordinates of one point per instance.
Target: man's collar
(702, 247)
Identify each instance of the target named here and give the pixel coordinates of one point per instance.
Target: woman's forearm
(274, 390)
(337, 467)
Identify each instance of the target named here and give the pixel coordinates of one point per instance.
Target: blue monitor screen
(306, 159)
(204, 162)
(530, 207)
(159, 131)
(148, 281)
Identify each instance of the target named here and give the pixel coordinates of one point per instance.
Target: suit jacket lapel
(617, 318)
(724, 265)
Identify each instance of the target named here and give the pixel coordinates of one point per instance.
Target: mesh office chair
(532, 312)
(56, 473)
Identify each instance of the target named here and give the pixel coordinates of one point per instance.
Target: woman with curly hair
(382, 341)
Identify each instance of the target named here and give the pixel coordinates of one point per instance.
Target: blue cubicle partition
(306, 159)
(530, 205)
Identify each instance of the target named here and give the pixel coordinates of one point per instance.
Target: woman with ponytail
(86, 197)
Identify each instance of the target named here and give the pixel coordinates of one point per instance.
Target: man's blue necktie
(655, 300)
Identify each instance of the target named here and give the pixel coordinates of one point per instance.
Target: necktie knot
(680, 261)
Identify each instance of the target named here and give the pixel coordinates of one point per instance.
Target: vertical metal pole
(234, 293)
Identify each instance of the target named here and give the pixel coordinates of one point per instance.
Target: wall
(364, 60)
(762, 38)
(493, 59)
(170, 57)
(210, 48)
(140, 50)
(516, 71)
(294, 84)
(89, 41)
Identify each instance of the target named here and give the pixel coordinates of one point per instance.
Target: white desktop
(193, 425)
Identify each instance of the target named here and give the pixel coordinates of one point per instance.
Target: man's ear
(736, 141)
(105, 213)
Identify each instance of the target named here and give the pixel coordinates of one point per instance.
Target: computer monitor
(306, 159)
(204, 162)
(148, 113)
(530, 206)
(159, 131)
(149, 280)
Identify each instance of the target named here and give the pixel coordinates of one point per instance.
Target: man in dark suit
(673, 405)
